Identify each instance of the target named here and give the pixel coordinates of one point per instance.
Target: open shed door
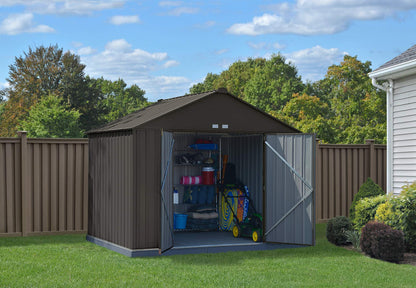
(166, 241)
(289, 189)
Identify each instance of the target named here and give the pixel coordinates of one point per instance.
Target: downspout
(388, 87)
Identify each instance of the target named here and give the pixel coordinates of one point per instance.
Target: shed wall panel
(147, 183)
(111, 178)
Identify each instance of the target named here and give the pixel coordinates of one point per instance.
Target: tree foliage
(117, 99)
(265, 83)
(343, 107)
(43, 71)
(52, 117)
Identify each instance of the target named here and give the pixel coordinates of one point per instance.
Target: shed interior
(207, 171)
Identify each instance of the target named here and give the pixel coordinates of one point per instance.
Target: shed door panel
(166, 241)
(289, 215)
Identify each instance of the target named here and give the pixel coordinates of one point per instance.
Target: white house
(398, 78)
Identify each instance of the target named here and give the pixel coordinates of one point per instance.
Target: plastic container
(208, 176)
(204, 146)
(179, 221)
(191, 180)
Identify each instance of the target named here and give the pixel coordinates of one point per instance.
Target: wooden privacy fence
(340, 171)
(43, 186)
(44, 182)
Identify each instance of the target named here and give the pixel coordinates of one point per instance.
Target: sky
(165, 47)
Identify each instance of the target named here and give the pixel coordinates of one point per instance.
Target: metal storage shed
(131, 166)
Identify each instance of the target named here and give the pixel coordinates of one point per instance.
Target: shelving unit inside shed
(196, 196)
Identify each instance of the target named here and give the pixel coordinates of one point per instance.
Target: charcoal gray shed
(131, 170)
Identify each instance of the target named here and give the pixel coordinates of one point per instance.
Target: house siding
(404, 133)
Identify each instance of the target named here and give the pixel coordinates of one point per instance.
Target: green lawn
(70, 261)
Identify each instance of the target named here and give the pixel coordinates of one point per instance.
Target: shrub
(367, 189)
(335, 230)
(365, 210)
(400, 213)
(388, 245)
(388, 212)
(407, 219)
(380, 241)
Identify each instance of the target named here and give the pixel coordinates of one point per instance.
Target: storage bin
(179, 221)
(208, 175)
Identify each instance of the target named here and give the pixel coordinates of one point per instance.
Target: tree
(117, 100)
(52, 117)
(43, 71)
(265, 83)
(357, 109)
(308, 114)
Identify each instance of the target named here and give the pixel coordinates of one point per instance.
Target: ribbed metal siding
(246, 152)
(166, 203)
(146, 197)
(284, 189)
(111, 188)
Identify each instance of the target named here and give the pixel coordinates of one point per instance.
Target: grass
(70, 261)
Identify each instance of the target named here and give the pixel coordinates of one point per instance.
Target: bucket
(179, 221)
(207, 175)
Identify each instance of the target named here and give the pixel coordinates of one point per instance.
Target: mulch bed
(409, 258)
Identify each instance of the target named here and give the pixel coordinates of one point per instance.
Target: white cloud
(170, 3)
(312, 63)
(176, 8)
(170, 63)
(183, 10)
(22, 23)
(266, 46)
(135, 66)
(4, 85)
(222, 51)
(86, 50)
(79, 7)
(124, 19)
(310, 17)
(206, 25)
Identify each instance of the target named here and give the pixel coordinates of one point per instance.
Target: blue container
(179, 221)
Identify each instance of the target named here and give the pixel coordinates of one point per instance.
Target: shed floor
(214, 238)
(217, 242)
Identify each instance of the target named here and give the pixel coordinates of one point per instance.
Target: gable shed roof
(400, 66)
(164, 107)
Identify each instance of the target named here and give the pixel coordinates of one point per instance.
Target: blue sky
(167, 46)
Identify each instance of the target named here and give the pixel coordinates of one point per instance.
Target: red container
(208, 176)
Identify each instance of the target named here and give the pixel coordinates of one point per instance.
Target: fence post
(318, 181)
(23, 178)
(373, 168)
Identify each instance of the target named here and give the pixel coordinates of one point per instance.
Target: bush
(400, 213)
(366, 209)
(380, 241)
(388, 213)
(335, 230)
(367, 189)
(389, 245)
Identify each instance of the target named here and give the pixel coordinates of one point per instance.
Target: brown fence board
(43, 186)
(340, 171)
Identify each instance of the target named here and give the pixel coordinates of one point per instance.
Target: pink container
(191, 180)
(208, 176)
